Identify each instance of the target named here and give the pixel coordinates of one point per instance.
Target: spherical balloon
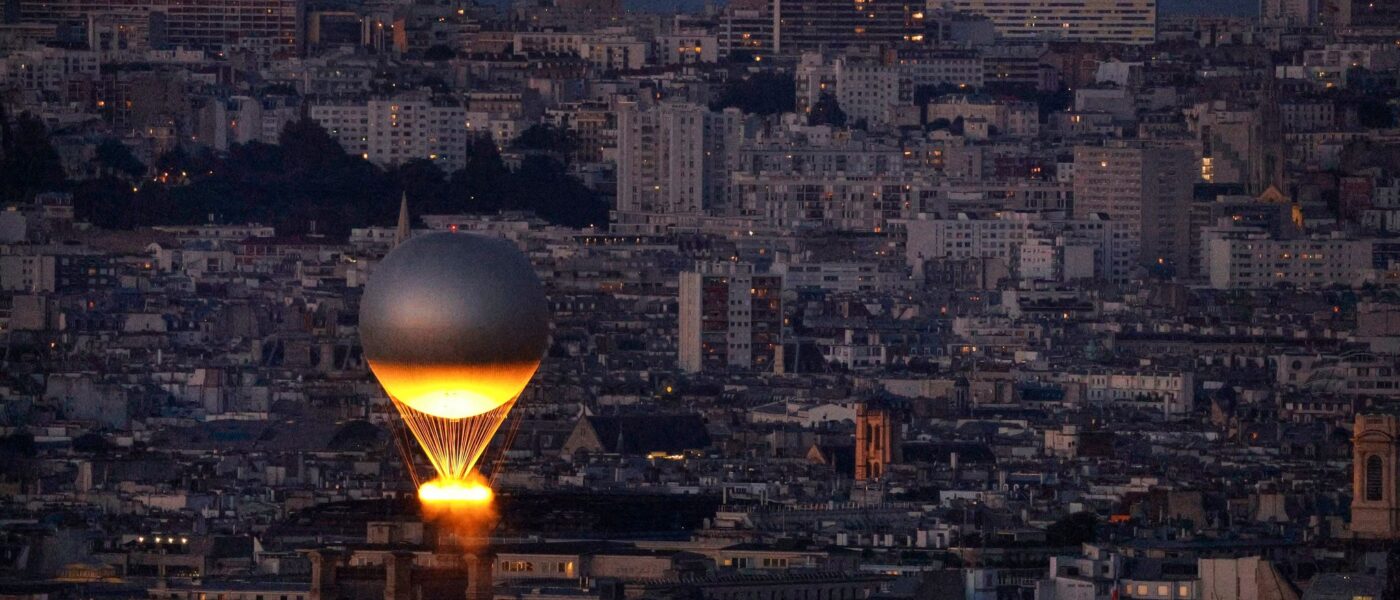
(453, 324)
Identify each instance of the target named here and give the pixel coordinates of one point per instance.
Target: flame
(464, 509)
(453, 391)
(447, 491)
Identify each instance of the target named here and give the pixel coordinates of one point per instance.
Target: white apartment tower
(674, 159)
(1100, 21)
(730, 317)
(395, 130)
(267, 28)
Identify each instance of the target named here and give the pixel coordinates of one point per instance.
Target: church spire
(401, 233)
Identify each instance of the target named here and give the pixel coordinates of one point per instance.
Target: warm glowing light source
(453, 391)
(446, 490)
(453, 327)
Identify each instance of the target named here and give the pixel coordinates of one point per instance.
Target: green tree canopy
(309, 181)
(1073, 530)
(763, 93)
(116, 159)
(826, 111)
(28, 162)
(545, 137)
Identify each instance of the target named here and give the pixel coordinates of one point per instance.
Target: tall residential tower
(730, 317)
(1099, 21)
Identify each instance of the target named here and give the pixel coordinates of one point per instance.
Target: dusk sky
(700, 300)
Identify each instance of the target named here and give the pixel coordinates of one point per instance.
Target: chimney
(398, 576)
(327, 357)
(479, 576)
(324, 564)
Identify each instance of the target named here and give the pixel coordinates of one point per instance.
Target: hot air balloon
(454, 325)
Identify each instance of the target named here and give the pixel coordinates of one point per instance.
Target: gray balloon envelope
(454, 299)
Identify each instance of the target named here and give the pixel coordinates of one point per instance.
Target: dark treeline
(762, 93)
(305, 181)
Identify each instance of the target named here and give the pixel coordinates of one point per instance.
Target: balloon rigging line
(509, 442)
(453, 446)
(400, 435)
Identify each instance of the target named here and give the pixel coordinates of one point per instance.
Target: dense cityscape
(847, 299)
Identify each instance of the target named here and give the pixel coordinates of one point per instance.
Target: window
(1374, 476)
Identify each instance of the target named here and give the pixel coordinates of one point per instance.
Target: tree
(827, 111)
(280, 89)
(1047, 102)
(425, 184)
(306, 146)
(1073, 530)
(115, 158)
(1375, 114)
(355, 435)
(18, 445)
(481, 184)
(765, 93)
(436, 84)
(309, 183)
(542, 185)
(28, 162)
(91, 443)
(925, 93)
(1363, 154)
(545, 137)
(742, 57)
(105, 202)
(178, 160)
(439, 52)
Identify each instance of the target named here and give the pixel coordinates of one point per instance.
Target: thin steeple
(401, 233)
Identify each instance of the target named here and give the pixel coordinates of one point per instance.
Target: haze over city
(686, 300)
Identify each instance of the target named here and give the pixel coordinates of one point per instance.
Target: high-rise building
(833, 202)
(795, 26)
(749, 27)
(1239, 144)
(870, 92)
(1102, 21)
(395, 130)
(222, 122)
(1147, 185)
(1247, 258)
(673, 159)
(264, 27)
(1284, 13)
(1359, 13)
(1375, 488)
(1025, 65)
(836, 24)
(730, 318)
